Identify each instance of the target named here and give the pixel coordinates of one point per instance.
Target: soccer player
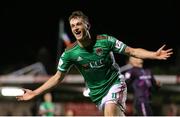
(142, 82)
(90, 54)
(47, 107)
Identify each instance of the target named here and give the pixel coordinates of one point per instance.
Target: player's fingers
(169, 50)
(170, 53)
(167, 56)
(161, 47)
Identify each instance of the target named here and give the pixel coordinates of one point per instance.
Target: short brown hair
(79, 14)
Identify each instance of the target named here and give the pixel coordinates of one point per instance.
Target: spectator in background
(141, 81)
(69, 113)
(172, 110)
(47, 107)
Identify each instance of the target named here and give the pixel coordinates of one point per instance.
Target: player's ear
(87, 25)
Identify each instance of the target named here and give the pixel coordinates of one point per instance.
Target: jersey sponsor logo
(79, 58)
(118, 44)
(97, 64)
(99, 51)
(94, 64)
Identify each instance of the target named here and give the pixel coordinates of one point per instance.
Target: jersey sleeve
(116, 45)
(64, 62)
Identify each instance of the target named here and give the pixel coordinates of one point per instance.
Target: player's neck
(85, 42)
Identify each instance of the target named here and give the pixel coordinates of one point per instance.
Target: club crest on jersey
(99, 51)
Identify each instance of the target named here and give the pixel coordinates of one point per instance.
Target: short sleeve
(116, 45)
(64, 62)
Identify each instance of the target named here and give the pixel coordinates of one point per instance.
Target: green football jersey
(47, 106)
(96, 66)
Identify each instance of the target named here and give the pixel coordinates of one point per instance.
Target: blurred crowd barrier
(162, 102)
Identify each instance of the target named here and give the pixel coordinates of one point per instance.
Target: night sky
(27, 26)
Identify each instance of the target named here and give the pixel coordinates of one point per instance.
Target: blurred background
(34, 34)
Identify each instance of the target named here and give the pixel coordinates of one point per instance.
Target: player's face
(78, 28)
(48, 97)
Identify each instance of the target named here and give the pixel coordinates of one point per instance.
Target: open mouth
(78, 33)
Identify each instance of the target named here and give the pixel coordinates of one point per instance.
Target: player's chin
(79, 38)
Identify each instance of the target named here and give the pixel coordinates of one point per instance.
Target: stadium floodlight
(11, 91)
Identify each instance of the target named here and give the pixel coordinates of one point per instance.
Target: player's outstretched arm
(160, 54)
(53, 81)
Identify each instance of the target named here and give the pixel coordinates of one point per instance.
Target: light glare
(12, 91)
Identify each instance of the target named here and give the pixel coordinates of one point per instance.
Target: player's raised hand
(29, 94)
(162, 54)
